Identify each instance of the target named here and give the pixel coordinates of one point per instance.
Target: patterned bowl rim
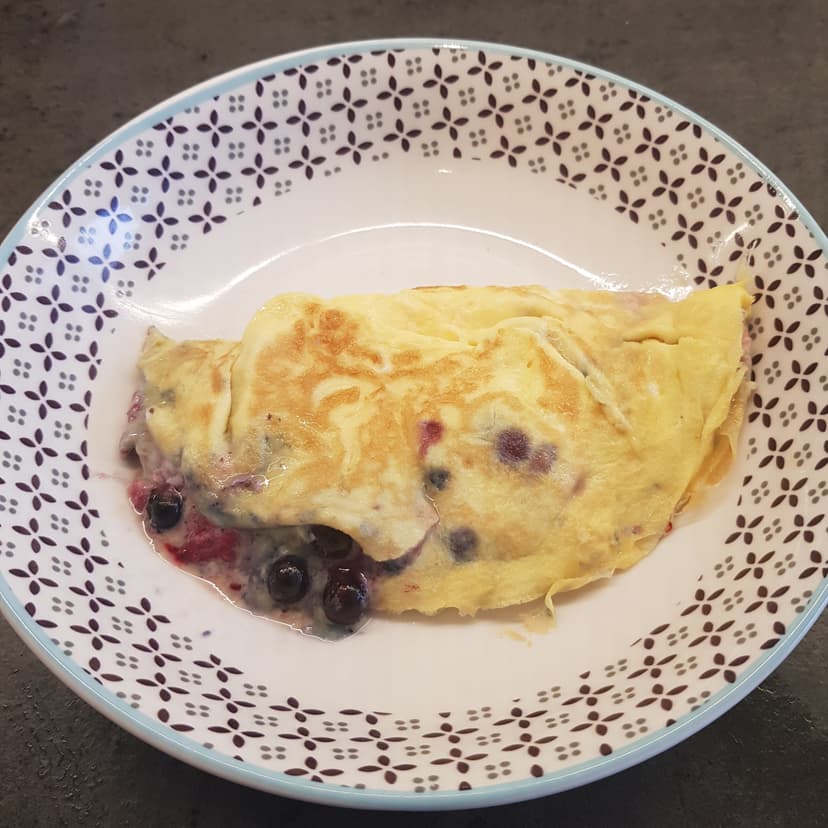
(178, 745)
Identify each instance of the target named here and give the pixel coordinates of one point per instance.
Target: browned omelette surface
(521, 441)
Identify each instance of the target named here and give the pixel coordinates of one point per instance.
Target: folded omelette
(493, 445)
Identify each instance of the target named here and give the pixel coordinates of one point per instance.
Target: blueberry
(164, 508)
(512, 446)
(437, 479)
(462, 544)
(288, 579)
(330, 542)
(345, 597)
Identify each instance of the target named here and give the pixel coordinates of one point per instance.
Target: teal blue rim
(248, 774)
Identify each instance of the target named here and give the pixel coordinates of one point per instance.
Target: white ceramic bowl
(377, 166)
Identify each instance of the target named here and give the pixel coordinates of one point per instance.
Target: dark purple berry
(512, 446)
(330, 542)
(462, 544)
(288, 579)
(437, 479)
(345, 597)
(164, 508)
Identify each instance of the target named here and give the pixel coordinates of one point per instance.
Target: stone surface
(73, 70)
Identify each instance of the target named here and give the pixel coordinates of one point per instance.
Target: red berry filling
(135, 406)
(204, 542)
(542, 459)
(431, 432)
(138, 493)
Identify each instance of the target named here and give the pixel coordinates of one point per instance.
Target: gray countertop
(73, 70)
